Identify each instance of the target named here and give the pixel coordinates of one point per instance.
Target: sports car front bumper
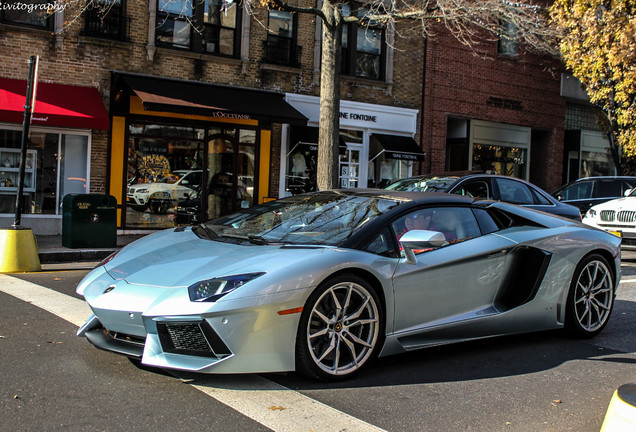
(234, 336)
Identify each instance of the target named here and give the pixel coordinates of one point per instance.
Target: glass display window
(180, 175)
(56, 165)
(496, 159)
(164, 168)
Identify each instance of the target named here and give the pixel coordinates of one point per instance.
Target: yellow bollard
(621, 413)
(18, 251)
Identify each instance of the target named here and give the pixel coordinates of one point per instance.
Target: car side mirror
(420, 239)
(559, 198)
(628, 192)
(185, 182)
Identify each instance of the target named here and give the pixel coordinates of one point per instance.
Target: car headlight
(141, 191)
(590, 214)
(211, 290)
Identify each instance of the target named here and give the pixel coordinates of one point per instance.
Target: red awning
(56, 105)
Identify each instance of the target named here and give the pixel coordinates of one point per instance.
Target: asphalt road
(52, 380)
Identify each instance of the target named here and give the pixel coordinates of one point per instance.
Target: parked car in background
(497, 187)
(617, 216)
(588, 191)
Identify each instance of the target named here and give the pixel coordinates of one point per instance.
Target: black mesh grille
(191, 338)
(188, 337)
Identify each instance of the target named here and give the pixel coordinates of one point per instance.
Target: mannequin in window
(299, 166)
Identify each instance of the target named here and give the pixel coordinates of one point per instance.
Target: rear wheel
(340, 330)
(591, 297)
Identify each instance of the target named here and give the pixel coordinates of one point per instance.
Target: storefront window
(180, 175)
(494, 159)
(165, 169)
(382, 170)
(56, 165)
(301, 168)
(596, 164)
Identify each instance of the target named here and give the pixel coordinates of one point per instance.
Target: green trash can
(89, 220)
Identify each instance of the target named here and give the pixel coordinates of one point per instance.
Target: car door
(453, 283)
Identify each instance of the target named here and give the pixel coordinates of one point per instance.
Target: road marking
(69, 308)
(270, 404)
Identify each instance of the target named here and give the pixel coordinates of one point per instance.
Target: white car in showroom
(159, 196)
(617, 216)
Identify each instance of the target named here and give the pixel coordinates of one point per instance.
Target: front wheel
(341, 329)
(591, 297)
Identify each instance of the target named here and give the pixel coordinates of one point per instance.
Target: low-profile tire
(591, 297)
(341, 329)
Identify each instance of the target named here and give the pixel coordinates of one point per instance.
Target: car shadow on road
(488, 358)
(496, 357)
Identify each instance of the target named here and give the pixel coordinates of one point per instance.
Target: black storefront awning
(199, 98)
(309, 136)
(400, 147)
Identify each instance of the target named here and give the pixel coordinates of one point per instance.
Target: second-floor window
(281, 44)
(106, 19)
(507, 44)
(35, 13)
(363, 49)
(209, 26)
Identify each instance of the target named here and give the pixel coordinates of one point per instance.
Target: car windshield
(315, 219)
(431, 184)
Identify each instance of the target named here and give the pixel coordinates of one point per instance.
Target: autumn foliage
(598, 45)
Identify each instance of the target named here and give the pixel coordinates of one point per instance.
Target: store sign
(358, 116)
(223, 114)
(405, 156)
(504, 103)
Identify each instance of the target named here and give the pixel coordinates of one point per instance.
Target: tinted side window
(627, 185)
(514, 192)
(475, 188)
(382, 244)
(606, 189)
(486, 222)
(577, 191)
(540, 199)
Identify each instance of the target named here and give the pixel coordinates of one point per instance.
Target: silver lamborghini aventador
(322, 283)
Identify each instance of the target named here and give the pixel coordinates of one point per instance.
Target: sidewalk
(55, 256)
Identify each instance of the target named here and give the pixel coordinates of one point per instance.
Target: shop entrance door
(231, 168)
(350, 166)
(221, 169)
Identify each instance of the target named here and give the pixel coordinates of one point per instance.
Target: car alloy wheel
(591, 297)
(340, 328)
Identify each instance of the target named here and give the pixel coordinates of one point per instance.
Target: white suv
(162, 195)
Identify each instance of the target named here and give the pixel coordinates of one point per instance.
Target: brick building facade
(169, 131)
(493, 108)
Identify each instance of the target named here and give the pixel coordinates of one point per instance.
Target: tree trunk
(328, 135)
